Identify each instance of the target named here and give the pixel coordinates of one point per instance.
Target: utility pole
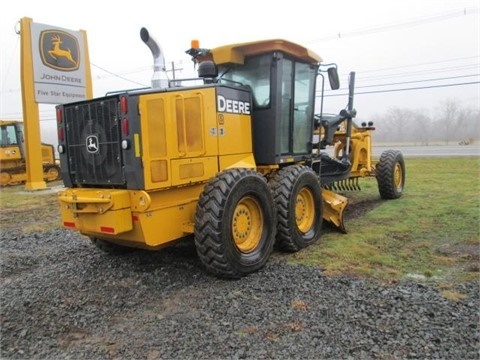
(173, 70)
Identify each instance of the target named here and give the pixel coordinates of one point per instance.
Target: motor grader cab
(227, 157)
(13, 169)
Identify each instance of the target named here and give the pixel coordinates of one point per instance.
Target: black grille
(93, 142)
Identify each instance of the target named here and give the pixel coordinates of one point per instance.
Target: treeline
(451, 124)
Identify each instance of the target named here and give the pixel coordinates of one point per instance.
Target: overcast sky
(390, 44)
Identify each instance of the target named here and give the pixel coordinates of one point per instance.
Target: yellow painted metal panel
(171, 210)
(170, 220)
(190, 124)
(156, 134)
(157, 217)
(112, 222)
(237, 161)
(177, 124)
(96, 211)
(11, 152)
(155, 140)
(159, 171)
(185, 171)
(193, 170)
(107, 199)
(234, 133)
(193, 115)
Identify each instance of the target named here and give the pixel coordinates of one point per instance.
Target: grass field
(29, 211)
(432, 232)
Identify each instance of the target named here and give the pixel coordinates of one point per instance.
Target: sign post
(30, 113)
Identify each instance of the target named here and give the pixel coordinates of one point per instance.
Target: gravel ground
(61, 298)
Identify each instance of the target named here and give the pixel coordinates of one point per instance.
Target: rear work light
(123, 105)
(125, 127)
(59, 116)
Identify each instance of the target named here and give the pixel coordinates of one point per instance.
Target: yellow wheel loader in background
(13, 169)
(228, 157)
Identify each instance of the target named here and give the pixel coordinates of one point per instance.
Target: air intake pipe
(159, 78)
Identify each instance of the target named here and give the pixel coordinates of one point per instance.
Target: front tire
(235, 223)
(391, 174)
(298, 197)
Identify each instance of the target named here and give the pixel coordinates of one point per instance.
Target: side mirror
(333, 78)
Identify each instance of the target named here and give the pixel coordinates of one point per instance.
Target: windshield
(255, 73)
(8, 135)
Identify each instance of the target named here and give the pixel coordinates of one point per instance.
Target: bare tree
(420, 128)
(469, 126)
(452, 123)
(394, 126)
(449, 120)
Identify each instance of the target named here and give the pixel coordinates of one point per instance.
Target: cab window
(255, 73)
(8, 135)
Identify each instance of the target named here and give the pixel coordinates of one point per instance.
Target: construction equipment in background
(228, 157)
(12, 156)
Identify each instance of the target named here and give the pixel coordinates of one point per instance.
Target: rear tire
(111, 248)
(235, 223)
(391, 174)
(298, 197)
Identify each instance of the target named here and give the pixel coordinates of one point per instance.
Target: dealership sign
(58, 65)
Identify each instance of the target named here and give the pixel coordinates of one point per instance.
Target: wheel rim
(304, 210)
(398, 176)
(247, 223)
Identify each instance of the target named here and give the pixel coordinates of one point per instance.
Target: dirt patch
(468, 254)
(466, 251)
(358, 208)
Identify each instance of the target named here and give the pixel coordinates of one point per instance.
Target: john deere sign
(59, 70)
(59, 50)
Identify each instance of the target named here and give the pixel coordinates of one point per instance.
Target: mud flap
(333, 207)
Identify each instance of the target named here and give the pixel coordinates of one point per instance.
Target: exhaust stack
(159, 78)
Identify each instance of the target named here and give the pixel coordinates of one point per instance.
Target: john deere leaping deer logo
(59, 50)
(91, 143)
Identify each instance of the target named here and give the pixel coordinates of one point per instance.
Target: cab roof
(8, 121)
(236, 53)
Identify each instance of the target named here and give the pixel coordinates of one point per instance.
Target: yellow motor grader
(351, 157)
(228, 157)
(13, 169)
